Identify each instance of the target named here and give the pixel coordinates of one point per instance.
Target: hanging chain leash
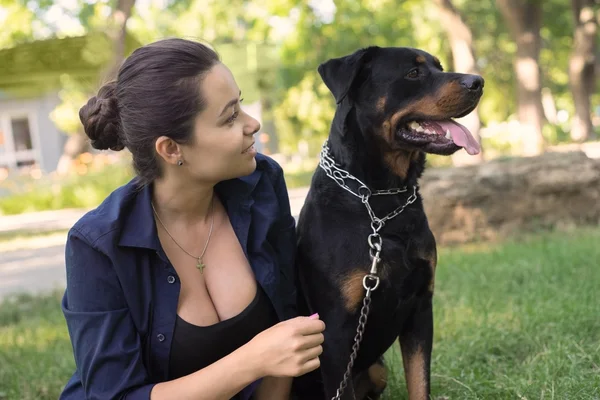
(370, 280)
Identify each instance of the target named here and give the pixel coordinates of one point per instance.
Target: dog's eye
(413, 73)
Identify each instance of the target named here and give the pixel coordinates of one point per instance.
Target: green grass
(35, 352)
(518, 320)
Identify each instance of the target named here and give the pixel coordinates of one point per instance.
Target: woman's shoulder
(108, 216)
(270, 167)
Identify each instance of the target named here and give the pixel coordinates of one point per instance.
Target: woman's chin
(249, 166)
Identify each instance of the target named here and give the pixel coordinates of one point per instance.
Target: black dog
(394, 105)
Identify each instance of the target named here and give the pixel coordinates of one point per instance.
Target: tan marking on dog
(381, 103)
(352, 289)
(398, 162)
(421, 59)
(432, 259)
(449, 99)
(414, 371)
(378, 375)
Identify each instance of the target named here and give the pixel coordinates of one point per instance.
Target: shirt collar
(139, 227)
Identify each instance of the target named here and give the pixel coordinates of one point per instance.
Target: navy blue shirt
(121, 299)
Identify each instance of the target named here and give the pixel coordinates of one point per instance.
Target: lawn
(519, 320)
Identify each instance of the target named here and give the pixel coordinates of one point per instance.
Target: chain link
(327, 163)
(360, 330)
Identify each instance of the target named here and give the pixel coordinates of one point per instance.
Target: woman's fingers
(310, 365)
(309, 326)
(312, 341)
(311, 353)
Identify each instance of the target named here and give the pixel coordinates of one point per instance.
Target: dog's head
(404, 99)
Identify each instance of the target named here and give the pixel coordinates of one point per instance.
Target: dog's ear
(339, 74)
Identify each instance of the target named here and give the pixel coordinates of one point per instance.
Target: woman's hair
(156, 93)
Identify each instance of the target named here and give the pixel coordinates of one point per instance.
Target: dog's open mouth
(441, 137)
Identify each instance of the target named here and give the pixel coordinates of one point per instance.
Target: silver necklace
(199, 263)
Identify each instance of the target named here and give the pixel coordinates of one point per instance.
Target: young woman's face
(223, 145)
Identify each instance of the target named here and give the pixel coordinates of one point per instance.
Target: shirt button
(160, 337)
(171, 279)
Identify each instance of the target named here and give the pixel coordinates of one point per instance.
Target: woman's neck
(182, 201)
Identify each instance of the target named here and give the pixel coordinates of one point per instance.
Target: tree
(524, 19)
(16, 22)
(116, 30)
(306, 108)
(581, 67)
(463, 56)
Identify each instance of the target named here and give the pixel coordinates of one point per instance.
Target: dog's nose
(472, 82)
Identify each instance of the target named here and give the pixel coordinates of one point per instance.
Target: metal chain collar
(370, 280)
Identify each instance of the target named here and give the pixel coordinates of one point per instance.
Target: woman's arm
(274, 388)
(106, 345)
(220, 380)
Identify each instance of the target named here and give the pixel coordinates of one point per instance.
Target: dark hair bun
(101, 120)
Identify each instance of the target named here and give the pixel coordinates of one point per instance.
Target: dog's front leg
(334, 360)
(416, 342)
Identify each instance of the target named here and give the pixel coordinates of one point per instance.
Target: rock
(501, 197)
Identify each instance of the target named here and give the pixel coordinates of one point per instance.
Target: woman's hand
(291, 348)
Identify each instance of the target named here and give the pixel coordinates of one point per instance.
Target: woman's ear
(168, 150)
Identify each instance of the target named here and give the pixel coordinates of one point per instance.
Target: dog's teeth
(419, 129)
(414, 125)
(448, 135)
(429, 132)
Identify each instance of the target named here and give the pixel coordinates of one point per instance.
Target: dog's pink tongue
(460, 135)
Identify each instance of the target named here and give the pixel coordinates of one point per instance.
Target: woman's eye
(233, 117)
(413, 73)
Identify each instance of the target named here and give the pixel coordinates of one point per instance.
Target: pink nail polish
(314, 315)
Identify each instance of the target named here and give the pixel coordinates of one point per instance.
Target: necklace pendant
(200, 265)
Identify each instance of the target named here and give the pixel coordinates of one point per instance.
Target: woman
(180, 285)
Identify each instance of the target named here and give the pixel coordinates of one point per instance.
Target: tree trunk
(463, 56)
(524, 21)
(581, 67)
(117, 31)
(76, 144)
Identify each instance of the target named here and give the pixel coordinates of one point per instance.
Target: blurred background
(518, 225)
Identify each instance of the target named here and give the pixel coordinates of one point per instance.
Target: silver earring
(180, 163)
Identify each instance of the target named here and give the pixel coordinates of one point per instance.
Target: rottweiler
(363, 224)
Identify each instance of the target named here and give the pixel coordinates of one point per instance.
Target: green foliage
(16, 22)
(84, 189)
(511, 322)
(306, 106)
(75, 191)
(279, 68)
(73, 94)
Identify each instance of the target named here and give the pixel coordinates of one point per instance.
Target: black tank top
(196, 347)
